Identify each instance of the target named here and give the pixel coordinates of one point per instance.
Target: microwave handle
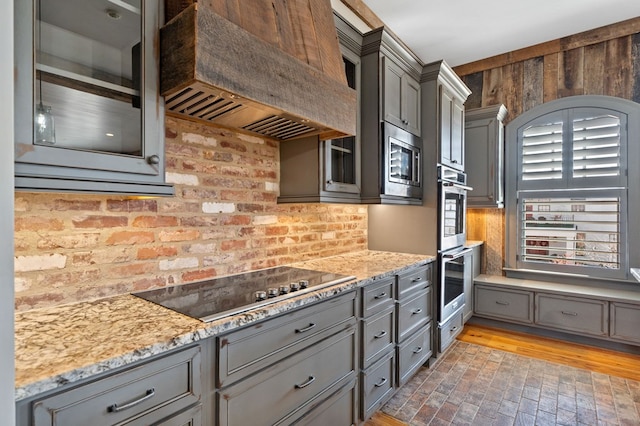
(458, 185)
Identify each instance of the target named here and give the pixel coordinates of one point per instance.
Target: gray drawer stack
(377, 361)
(415, 315)
(298, 367)
(396, 334)
(165, 391)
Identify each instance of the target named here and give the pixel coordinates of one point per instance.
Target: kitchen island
(59, 346)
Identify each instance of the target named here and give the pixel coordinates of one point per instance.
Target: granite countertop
(61, 345)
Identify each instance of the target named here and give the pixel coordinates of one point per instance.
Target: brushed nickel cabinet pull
(310, 380)
(569, 313)
(415, 280)
(115, 408)
(380, 335)
(381, 382)
(416, 311)
(307, 328)
(498, 302)
(454, 328)
(417, 350)
(380, 296)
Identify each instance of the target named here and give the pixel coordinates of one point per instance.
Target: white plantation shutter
(596, 147)
(571, 192)
(571, 231)
(542, 152)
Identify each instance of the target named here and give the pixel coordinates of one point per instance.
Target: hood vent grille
(214, 70)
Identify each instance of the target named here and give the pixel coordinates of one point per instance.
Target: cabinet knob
(153, 159)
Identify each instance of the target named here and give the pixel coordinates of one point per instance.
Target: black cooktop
(221, 297)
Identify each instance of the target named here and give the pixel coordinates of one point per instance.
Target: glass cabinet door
(87, 107)
(341, 156)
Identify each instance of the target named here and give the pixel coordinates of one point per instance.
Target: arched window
(572, 178)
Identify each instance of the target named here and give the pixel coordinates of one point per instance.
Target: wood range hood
(270, 67)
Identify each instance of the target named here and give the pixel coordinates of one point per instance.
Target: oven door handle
(456, 254)
(458, 185)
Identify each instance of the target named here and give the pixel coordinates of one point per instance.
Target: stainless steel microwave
(402, 163)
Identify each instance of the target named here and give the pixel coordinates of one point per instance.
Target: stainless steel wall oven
(452, 205)
(455, 268)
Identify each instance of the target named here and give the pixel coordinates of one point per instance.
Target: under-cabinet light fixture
(43, 123)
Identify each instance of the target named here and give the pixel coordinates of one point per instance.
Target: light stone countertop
(65, 344)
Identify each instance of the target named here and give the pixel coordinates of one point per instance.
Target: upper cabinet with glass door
(88, 114)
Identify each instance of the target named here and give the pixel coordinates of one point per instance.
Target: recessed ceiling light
(109, 134)
(113, 14)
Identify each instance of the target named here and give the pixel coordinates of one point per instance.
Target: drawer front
(625, 322)
(190, 417)
(160, 388)
(413, 280)
(414, 313)
(448, 331)
(507, 304)
(377, 335)
(286, 389)
(339, 409)
(413, 353)
(378, 296)
(377, 384)
(246, 351)
(585, 316)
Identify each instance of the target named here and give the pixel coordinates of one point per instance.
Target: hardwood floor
(590, 358)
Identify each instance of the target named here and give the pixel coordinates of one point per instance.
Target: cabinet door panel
(457, 134)
(573, 314)
(446, 111)
(507, 304)
(392, 88)
(411, 104)
(625, 321)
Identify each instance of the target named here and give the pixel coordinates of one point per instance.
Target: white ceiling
(463, 31)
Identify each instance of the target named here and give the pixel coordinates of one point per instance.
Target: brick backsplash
(224, 219)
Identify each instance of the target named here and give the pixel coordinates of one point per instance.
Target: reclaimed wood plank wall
(604, 61)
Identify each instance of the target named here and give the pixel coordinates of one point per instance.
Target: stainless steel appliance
(455, 268)
(452, 206)
(221, 297)
(402, 163)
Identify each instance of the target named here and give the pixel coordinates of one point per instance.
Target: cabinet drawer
(448, 331)
(377, 384)
(159, 388)
(572, 314)
(508, 304)
(413, 313)
(246, 351)
(377, 335)
(625, 322)
(190, 417)
(413, 353)
(413, 280)
(291, 387)
(338, 409)
(377, 296)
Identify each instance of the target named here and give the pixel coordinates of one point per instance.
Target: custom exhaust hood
(271, 67)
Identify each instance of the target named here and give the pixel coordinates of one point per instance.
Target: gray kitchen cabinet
(314, 170)
(573, 314)
(290, 368)
(443, 98)
(256, 347)
(504, 304)
(414, 312)
(377, 384)
(625, 322)
(476, 268)
(378, 335)
(152, 392)
(401, 97)
(413, 353)
(289, 389)
(337, 409)
(450, 329)
(89, 122)
(484, 153)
